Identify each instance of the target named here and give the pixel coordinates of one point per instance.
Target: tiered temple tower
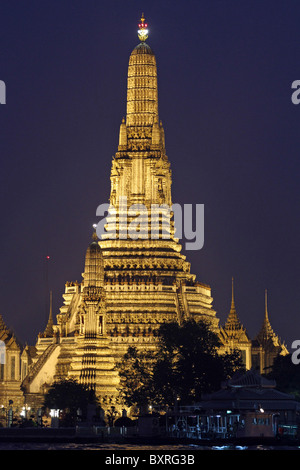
(267, 344)
(135, 276)
(144, 267)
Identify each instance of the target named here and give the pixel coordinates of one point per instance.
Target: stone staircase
(36, 367)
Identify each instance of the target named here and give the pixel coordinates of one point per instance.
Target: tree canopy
(286, 374)
(185, 365)
(68, 395)
(136, 376)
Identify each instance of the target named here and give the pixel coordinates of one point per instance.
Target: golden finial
(143, 31)
(95, 236)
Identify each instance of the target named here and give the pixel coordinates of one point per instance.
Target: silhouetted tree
(111, 415)
(136, 372)
(188, 357)
(69, 396)
(186, 365)
(286, 374)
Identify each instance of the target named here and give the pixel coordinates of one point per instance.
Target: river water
(131, 448)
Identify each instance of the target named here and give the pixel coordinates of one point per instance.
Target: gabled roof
(250, 399)
(250, 379)
(29, 351)
(250, 391)
(8, 336)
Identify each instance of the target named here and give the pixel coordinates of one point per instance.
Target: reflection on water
(131, 447)
(93, 446)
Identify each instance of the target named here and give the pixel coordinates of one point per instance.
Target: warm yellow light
(143, 31)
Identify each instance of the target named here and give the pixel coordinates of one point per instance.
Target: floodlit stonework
(129, 287)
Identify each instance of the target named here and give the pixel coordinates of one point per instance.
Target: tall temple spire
(49, 328)
(233, 335)
(141, 171)
(266, 305)
(141, 197)
(232, 322)
(232, 295)
(93, 271)
(267, 338)
(266, 332)
(93, 290)
(3, 326)
(142, 99)
(267, 325)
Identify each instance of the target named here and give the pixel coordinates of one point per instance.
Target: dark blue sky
(225, 70)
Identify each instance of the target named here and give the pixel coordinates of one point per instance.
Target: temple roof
(142, 48)
(8, 336)
(250, 399)
(233, 323)
(266, 335)
(249, 392)
(233, 328)
(250, 379)
(2, 324)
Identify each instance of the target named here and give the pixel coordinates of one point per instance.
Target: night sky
(225, 70)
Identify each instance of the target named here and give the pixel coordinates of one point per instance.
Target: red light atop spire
(143, 31)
